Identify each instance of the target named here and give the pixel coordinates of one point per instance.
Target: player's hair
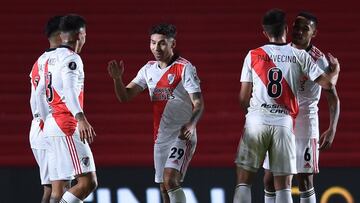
(309, 16)
(52, 26)
(274, 22)
(169, 30)
(72, 23)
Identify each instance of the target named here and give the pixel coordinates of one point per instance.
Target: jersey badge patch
(72, 65)
(171, 78)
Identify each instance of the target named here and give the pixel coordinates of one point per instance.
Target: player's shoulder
(183, 61)
(64, 53)
(149, 64)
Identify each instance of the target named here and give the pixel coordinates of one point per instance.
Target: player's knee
(305, 182)
(170, 182)
(269, 182)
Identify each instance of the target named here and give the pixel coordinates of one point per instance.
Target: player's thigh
(282, 154)
(307, 155)
(69, 157)
(252, 147)
(180, 155)
(41, 158)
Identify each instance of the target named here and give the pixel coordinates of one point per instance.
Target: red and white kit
(274, 71)
(169, 90)
(64, 85)
(307, 121)
(36, 136)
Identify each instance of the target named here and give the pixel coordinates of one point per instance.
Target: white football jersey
(169, 90)
(274, 71)
(36, 74)
(309, 91)
(64, 84)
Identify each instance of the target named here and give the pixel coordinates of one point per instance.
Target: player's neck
(278, 40)
(300, 46)
(164, 63)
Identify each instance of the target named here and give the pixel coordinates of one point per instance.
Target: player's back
(36, 74)
(275, 71)
(65, 70)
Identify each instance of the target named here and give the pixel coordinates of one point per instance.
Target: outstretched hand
(115, 70)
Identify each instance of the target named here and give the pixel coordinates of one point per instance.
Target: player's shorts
(279, 141)
(306, 140)
(69, 157)
(42, 161)
(36, 136)
(176, 155)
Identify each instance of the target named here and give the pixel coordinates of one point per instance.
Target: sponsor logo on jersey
(72, 65)
(275, 108)
(162, 94)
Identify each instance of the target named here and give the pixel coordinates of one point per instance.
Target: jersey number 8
(274, 87)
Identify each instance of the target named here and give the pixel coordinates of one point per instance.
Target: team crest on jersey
(85, 161)
(72, 65)
(171, 78)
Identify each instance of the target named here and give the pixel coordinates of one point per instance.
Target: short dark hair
(52, 26)
(274, 22)
(72, 23)
(309, 16)
(169, 30)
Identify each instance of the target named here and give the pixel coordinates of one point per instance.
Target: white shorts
(279, 141)
(307, 147)
(176, 155)
(69, 157)
(42, 161)
(36, 135)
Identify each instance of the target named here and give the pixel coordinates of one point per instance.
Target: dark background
(214, 35)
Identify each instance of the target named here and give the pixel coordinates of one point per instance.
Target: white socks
(242, 193)
(269, 197)
(177, 195)
(308, 196)
(68, 197)
(283, 196)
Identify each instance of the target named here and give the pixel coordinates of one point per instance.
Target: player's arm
(329, 80)
(41, 101)
(123, 93)
(32, 100)
(245, 95)
(198, 109)
(327, 138)
(70, 79)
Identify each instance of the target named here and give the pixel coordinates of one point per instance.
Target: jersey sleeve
(71, 71)
(323, 63)
(309, 67)
(41, 103)
(190, 80)
(246, 72)
(32, 99)
(140, 78)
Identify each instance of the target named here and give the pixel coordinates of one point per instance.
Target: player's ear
(314, 33)
(173, 45)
